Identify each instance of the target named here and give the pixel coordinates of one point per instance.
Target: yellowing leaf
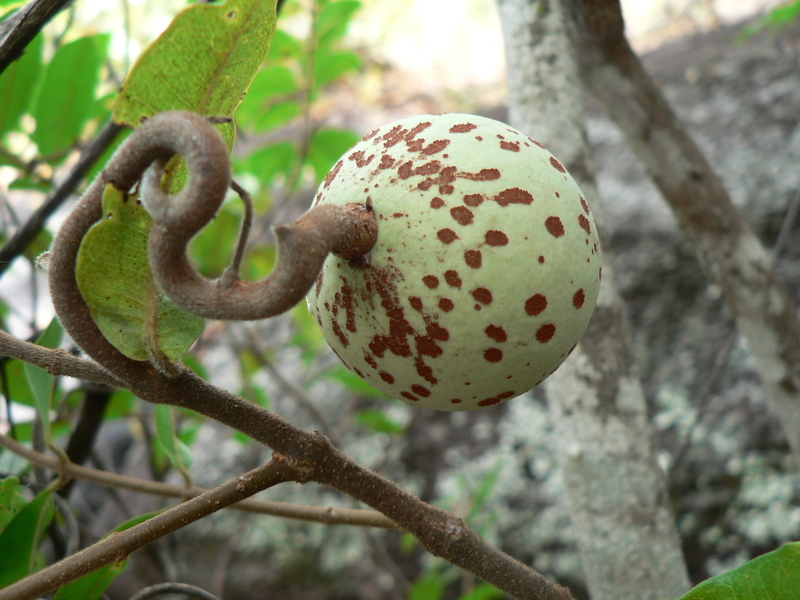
(114, 278)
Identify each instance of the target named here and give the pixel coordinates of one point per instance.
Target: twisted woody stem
(348, 230)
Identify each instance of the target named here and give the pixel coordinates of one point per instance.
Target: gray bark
(616, 491)
(724, 243)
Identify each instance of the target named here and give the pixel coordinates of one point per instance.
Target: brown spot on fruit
(585, 225)
(409, 396)
(462, 128)
(446, 305)
(554, 226)
(496, 238)
(455, 401)
(387, 162)
(318, 285)
(546, 333)
(513, 196)
(420, 390)
(437, 332)
(452, 279)
(446, 236)
(482, 175)
(585, 205)
(473, 258)
(426, 346)
(557, 165)
(511, 146)
(482, 295)
(431, 281)
(497, 333)
(416, 303)
(497, 399)
(437, 202)
(493, 355)
(435, 147)
(535, 304)
(424, 371)
(360, 158)
(387, 377)
(344, 298)
(473, 199)
(541, 260)
(406, 170)
(332, 174)
(462, 215)
(578, 298)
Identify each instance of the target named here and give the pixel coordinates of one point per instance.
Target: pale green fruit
(485, 272)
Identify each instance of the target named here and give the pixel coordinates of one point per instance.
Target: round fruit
(485, 272)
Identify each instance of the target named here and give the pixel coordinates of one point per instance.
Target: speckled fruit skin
(486, 269)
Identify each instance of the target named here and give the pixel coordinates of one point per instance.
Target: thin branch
(56, 361)
(315, 514)
(233, 272)
(120, 545)
(24, 236)
(19, 29)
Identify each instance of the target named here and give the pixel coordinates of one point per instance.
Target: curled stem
(349, 231)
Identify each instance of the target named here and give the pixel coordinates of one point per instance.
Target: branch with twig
(316, 514)
(120, 545)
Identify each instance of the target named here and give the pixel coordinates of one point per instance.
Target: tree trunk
(616, 491)
(730, 253)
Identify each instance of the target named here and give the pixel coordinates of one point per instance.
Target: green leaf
(326, 147)
(18, 85)
(66, 97)
(307, 334)
(40, 381)
(772, 576)
(114, 278)
(275, 115)
(270, 84)
(176, 451)
(203, 63)
(268, 162)
(377, 420)
(353, 382)
(331, 66)
(20, 539)
(285, 46)
(11, 501)
(483, 591)
(332, 21)
(19, 390)
(121, 404)
(92, 586)
(212, 248)
(427, 587)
